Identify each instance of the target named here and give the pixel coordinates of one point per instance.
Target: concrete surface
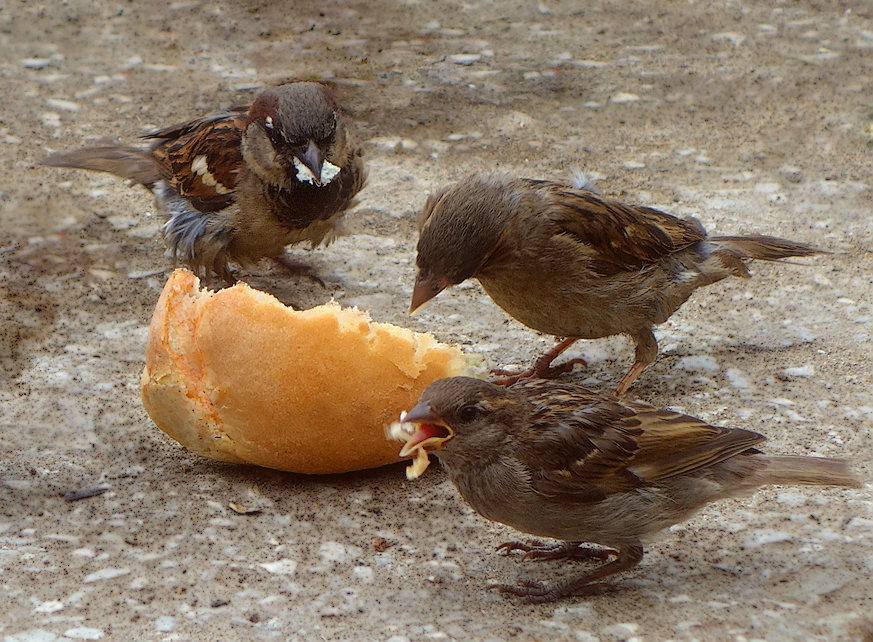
(751, 116)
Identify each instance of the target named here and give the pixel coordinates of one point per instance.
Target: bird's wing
(612, 235)
(200, 158)
(585, 446)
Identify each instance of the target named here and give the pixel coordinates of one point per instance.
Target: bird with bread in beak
(242, 184)
(582, 466)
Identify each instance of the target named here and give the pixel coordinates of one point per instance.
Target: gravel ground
(751, 116)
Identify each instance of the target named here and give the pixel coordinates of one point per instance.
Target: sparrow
(562, 461)
(242, 184)
(569, 262)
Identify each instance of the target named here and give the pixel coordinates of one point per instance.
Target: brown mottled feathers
(243, 184)
(200, 158)
(589, 443)
(566, 261)
(131, 163)
(563, 461)
(617, 236)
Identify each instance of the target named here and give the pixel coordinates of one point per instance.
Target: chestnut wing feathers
(200, 158)
(615, 236)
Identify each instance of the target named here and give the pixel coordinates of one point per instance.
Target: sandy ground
(751, 116)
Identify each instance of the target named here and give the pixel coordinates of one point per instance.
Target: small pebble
(63, 105)
(84, 633)
(159, 67)
(622, 98)
(738, 379)
(105, 574)
(764, 536)
(144, 274)
(165, 623)
(364, 574)
(800, 371)
(791, 499)
(465, 59)
(590, 64)
(735, 39)
(700, 363)
(336, 552)
(35, 63)
(51, 606)
(138, 584)
(280, 567)
(767, 187)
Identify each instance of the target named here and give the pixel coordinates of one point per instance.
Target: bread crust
(237, 376)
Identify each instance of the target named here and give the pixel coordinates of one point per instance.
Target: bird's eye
(468, 413)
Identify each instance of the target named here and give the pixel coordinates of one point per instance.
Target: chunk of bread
(237, 376)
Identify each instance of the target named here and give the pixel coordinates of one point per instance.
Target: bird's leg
(629, 377)
(216, 281)
(588, 584)
(298, 268)
(645, 353)
(543, 367)
(535, 549)
(226, 275)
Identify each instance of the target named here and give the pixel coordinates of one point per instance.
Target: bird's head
(294, 135)
(461, 229)
(460, 417)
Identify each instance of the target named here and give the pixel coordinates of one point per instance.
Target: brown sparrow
(571, 263)
(559, 460)
(242, 184)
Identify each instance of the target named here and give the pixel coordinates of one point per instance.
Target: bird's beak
(427, 286)
(313, 158)
(430, 433)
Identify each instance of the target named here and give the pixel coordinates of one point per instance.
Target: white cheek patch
(201, 168)
(305, 175)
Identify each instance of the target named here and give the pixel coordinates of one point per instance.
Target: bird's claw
(522, 588)
(544, 371)
(539, 592)
(298, 268)
(535, 549)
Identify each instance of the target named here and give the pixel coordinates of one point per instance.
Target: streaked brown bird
(559, 460)
(240, 185)
(568, 262)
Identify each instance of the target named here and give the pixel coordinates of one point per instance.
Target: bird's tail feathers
(732, 252)
(817, 471)
(764, 248)
(127, 162)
